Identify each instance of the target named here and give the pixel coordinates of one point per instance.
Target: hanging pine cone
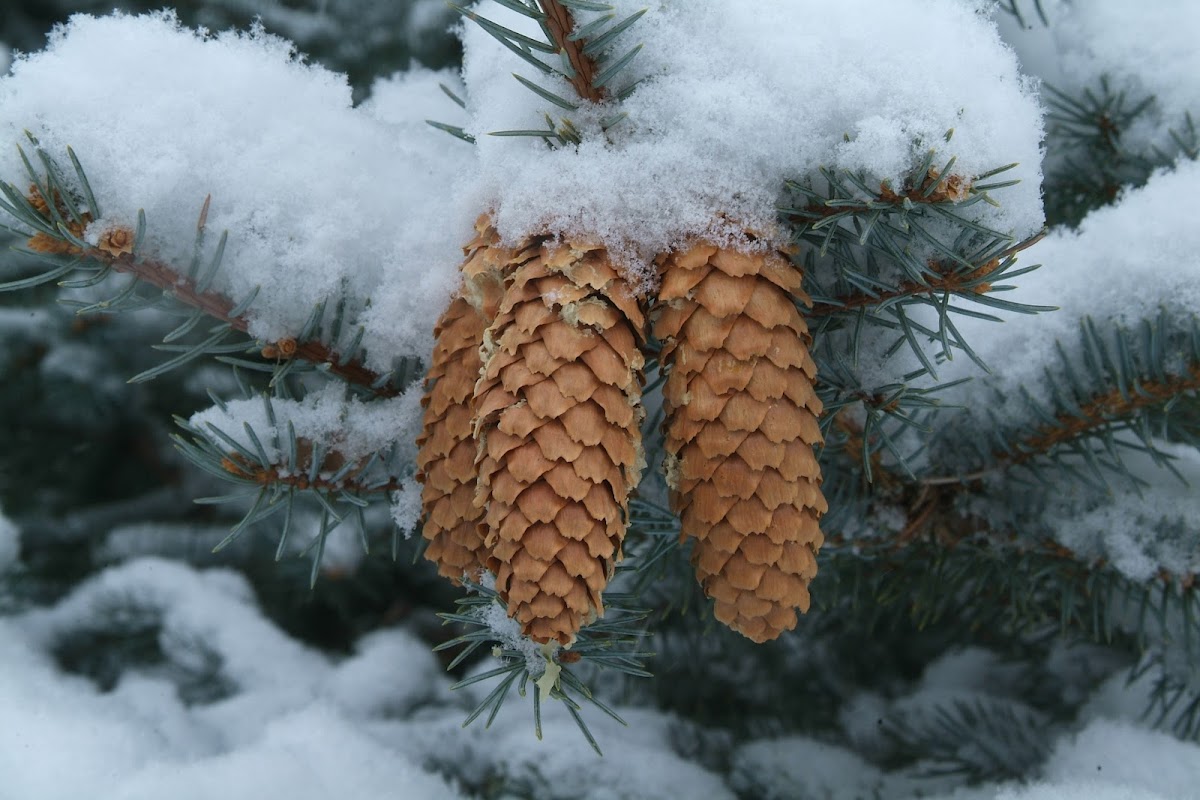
(446, 446)
(446, 449)
(560, 450)
(741, 422)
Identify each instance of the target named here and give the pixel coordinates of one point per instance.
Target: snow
(381, 723)
(293, 722)
(1144, 530)
(1128, 756)
(290, 728)
(1093, 271)
(319, 197)
(371, 684)
(638, 763)
(1151, 52)
(312, 753)
(792, 767)
(1076, 790)
(719, 122)
(345, 425)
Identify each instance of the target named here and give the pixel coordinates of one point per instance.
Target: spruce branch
(934, 189)
(219, 307)
(276, 468)
(982, 738)
(871, 253)
(57, 232)
(584, 63)
(1096, 161)
(1014, 7)
(560, 24)
(947, 279)
(956, 570)
(1127, 386)
(613, 643)
(334, 472)
(1104, 411)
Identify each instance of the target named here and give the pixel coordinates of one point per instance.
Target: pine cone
(559, 435)
(446, 446)
(741, 422)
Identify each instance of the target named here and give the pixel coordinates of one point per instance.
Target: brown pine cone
(741, 422)
(446, 446)
(559, 438)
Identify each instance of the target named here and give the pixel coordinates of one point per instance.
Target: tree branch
(560, 23)
(333, 461)
(1103, 410)
(974, 282)
(115, 251)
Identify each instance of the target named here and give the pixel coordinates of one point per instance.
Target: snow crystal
(736, 98)
(407, 508)
(10, 544)
(320, 199)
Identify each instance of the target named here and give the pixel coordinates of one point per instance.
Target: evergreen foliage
(938, 537)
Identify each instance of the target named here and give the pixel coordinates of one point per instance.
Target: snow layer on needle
(320, 198)
(1144, 530)
(352, 428)
(1126, 262)
(1147, 51)
(736, 98)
